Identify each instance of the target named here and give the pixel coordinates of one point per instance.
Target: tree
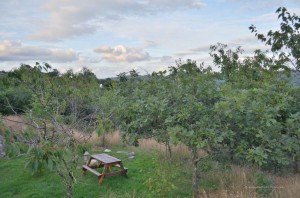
(255, 124)
(173, 109)
(284, 43)
(53, 144)
(13, 97)
(192, 122)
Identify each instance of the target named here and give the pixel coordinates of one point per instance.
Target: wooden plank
(107, 159)
(84, 167)
(96, 166)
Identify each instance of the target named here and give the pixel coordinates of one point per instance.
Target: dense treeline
(249, 113)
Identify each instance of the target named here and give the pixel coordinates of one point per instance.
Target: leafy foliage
(285, 42)
(161, 181)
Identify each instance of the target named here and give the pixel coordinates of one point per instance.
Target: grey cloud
(113, 17)
(62, 32)
(244, 40)
(76, 17)
(16, 51)
(121, 53)
(204, 48)
(18, 9)
(248, 44)
(184, 53)
(166, 58)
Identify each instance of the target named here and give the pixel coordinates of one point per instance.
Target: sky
(113, 36)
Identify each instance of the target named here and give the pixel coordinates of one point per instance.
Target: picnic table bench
(106, 162)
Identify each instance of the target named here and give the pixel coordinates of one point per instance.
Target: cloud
(6, 34)
(16, 51)
(60, 31)
(166, 58)
(204, 48)
(173, 4)
(150, 44)
(184, 53)
(68, 18)
(248, 43)
(121, 53)
(258, 5)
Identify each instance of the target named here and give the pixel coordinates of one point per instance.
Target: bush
(160, 183)
(263, 185)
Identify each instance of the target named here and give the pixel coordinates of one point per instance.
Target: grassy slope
(16, 182)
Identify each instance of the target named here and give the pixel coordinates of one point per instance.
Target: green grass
(17, 182)
(215, 179)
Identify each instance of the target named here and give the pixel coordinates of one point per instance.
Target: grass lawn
(148, 165)
(17, 182)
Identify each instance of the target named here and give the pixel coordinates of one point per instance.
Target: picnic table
(106, 162)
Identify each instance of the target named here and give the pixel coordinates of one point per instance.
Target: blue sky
(113, 36)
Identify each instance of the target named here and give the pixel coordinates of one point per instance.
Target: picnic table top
(106, 159)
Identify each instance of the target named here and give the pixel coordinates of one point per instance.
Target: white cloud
(16, 51)
(150, 44)
(173, 4)
(6, 34)
(69, 18)
(121, 53)
(258, 5)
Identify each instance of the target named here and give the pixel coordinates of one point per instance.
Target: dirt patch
(15, 123)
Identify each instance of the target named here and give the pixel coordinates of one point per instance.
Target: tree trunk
(67, 181)
(295, 164)
(168, 148)
(231, 154)
(69, 191)
(195, 173)
(103, 140)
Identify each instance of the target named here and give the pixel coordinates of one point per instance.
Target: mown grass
(17, 182)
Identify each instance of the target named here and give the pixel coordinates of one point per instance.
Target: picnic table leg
(109, 167)
(87, 163)
(103, 175)
(123, 169)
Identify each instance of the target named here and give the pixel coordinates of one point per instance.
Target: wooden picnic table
(106, 162)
